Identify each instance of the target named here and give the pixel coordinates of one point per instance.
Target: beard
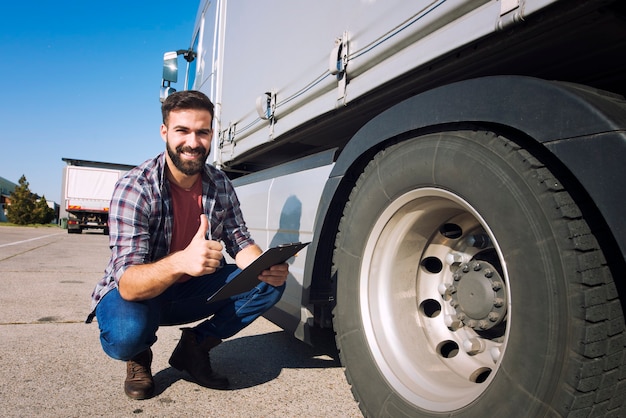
(187, 167)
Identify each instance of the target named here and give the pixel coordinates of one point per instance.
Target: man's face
(188, 137)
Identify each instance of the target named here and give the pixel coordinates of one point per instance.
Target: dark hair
(187, 99)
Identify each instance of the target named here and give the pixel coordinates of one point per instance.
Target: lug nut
(496, 286)
(452, 322)
(455, 257)
(498, 302)
(477, 267)
(442, 289)
(495, 354)
(493, 316)
(488, 274)
(473, 346)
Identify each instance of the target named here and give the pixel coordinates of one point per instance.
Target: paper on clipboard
(248, 277)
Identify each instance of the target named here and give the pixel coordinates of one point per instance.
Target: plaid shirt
(141, 219)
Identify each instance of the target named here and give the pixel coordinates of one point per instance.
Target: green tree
(20, 211)
(42, 213)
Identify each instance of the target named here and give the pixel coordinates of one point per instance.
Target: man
(166, 221)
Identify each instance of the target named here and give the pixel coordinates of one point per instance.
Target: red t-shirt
(187, 208)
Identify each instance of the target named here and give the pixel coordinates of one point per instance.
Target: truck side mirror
(170, 67)
(170, 74)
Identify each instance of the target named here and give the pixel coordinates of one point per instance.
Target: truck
(458, 167)
(87, 190)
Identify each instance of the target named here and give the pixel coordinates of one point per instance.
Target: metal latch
(266, 105)
(266, 109)
(227, 135)
(338, 64)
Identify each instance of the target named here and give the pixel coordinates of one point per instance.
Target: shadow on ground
(275, 353)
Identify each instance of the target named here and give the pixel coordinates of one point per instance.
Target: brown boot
(193, 357)
(139, 383)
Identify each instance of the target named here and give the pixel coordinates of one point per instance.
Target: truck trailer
(458, 167)
(87, 190)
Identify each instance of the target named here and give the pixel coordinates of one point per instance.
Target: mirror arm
(188, 54)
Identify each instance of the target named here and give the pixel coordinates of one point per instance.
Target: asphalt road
(52, 364)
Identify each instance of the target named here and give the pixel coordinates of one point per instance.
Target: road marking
(27, 240)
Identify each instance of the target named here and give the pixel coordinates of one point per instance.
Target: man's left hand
(275, 275)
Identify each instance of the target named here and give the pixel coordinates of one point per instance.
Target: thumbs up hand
(202, 256)
(203, 228)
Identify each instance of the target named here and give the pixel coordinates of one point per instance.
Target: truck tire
(469, 285)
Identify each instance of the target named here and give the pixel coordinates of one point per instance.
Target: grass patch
(30, 225)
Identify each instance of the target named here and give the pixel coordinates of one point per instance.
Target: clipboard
(248, 277)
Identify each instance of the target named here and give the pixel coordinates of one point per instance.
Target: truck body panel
(412, 30)
(280, 210)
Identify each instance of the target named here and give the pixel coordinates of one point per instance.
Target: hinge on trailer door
(337, 65)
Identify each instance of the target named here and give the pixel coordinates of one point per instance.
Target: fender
(583, 128)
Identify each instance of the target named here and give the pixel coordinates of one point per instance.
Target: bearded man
(169, 220)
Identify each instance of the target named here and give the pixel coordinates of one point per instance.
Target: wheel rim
(435, 300)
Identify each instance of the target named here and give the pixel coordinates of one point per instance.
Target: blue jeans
(128, 328)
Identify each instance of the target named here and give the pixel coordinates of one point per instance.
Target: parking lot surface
(53, 366)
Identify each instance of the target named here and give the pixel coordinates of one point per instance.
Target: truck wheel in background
(469, 285)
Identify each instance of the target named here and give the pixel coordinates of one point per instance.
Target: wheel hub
(478, 295)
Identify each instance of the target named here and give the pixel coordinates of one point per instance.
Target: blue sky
(80, 79)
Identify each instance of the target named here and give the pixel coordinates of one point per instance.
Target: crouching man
(167, 222)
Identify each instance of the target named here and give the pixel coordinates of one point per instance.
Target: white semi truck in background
(459, 169)
(87, 190)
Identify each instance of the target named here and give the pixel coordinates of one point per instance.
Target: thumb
(203, 228)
